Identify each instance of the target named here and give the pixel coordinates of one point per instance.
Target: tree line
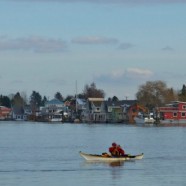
(151, 94)
(36, 100)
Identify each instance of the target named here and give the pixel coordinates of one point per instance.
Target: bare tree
(91, 91)
(155, 93)
(58, 96)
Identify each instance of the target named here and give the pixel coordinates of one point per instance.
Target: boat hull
(139, 120)
(94, 157)
(55, 118)
(172, 122)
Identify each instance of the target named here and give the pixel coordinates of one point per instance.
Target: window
(183, 106)
(183, 114)
(175, 114)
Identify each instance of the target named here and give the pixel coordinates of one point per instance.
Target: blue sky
(48, 45)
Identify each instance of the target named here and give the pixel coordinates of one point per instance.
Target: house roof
(97, 102)
(121, 103)
(5, 108)
(54, 102)
(96, 99)
(80, 101)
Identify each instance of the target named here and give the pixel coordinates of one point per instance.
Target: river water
(41, 154)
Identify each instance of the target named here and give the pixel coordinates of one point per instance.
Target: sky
(49, 46)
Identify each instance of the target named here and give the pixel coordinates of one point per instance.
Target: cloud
(167, 48)
(124, 76)
(125, 46)
(137, 2)
(34, 43)
(139, 72)
(94, 40)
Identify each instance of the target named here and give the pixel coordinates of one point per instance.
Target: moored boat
(144, 120)
(55, 118)
(109, 158)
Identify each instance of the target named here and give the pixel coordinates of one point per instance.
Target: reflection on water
(110, 164)
(116, 164)
(114, 169)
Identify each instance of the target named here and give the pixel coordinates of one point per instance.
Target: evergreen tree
(18, 101)
(115, 98)
(109, 99)
(35, 101)
(183, 91)
(5, 101)
(44, 100)
(69, 98)
(182, 94)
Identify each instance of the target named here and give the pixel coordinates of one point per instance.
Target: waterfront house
(18, 114)
(80, 104)
(53, 110)
(117, 111)
(55, 104)
(94, 110)
(5, 113)
(173, 113)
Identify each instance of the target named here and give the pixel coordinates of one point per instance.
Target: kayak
(109, 158)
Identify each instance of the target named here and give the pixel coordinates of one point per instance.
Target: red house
(4, 113)
(173, 113)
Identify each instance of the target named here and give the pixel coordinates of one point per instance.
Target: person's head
(114, 144)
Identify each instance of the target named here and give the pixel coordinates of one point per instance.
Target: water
(41, 154)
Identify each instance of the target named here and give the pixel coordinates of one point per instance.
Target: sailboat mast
(76, 96)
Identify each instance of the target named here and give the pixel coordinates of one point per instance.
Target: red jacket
(121, 151)
(113, 151)
(116, 151)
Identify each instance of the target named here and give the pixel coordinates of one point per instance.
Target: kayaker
(116, 150)
(113, 149)
(120, 150)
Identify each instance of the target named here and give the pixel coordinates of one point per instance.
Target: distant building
(173, 113)
(99, 111)
(52, 111)
(19, 114)
(94, 110)
(117, 111)
(5, 113)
